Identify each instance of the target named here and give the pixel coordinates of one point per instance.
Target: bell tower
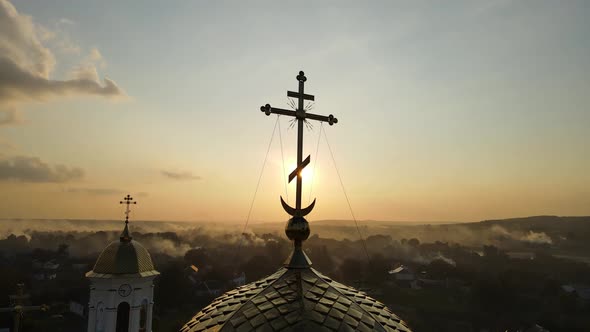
(122, 285)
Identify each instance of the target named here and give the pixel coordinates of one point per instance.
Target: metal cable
(317, 156)
(256, 191)
(347, 200)
(283, 158)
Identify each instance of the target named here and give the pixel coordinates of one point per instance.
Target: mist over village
(306, 166)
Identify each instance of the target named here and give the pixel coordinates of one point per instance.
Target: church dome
(124, 257)
(295, 300)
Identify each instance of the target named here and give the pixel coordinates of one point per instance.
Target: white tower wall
(105, 297)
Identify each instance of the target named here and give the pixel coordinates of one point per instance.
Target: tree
(351, 269)
(258, 267)
(63, 250)
(377, 269)
(440, 268)
(277, 251)
(321, 258)
(199, 257)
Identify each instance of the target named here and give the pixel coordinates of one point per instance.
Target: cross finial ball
(301, 77)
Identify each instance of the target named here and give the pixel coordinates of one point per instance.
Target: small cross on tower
(301, 115)
(127, 200)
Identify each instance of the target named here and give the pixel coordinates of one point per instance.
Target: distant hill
(538, 220)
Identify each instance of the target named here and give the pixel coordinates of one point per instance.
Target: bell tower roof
(125, 257)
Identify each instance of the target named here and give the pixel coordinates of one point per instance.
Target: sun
(306, 174)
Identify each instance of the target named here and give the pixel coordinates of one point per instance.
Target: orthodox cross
(127, 200)
(301, 115)
(18, 306)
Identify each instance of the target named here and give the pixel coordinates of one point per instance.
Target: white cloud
(66, 21)
(26, 64)
(86, 70)
(95, 191)
(94, 55)
(33, 169)
(10, 116)
(181, 175)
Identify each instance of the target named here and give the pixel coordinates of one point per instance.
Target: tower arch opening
(123, 310)
(143, 316)
(99, 324)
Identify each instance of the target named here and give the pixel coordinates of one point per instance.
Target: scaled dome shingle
(124, 257)
(295, 300)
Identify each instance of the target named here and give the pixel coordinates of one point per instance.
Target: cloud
(19, 42)
(45, 34)
(86, 70)
(26, 64)
(10, 116)
(180, 175)
(33, 169)
(6, 144)
(94, 55)
(95, 191)
(102, 191)
(66, 21)
(17, 84)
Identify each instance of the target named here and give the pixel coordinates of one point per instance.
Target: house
(77, 308)
(402, 273)
(45, 270)
(583, 291)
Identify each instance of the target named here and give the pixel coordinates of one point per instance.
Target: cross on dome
(297, 228)
(301, 115)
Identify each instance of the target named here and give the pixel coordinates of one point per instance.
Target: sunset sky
(448, 111)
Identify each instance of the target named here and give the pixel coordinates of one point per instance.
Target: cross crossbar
(268, 110)
(302, 95)
(299, 169)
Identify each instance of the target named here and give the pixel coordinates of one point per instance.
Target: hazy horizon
(344, 222)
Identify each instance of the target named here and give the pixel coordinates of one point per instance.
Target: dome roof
(295, 300)
(124, 257)
(121, 257)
